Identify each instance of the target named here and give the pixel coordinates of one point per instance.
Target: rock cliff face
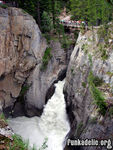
(93, 53)
(22, 48)
(42, 80)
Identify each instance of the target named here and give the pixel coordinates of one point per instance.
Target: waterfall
(52, 125)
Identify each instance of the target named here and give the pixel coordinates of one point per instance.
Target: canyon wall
(42, 80)
(22, 49)
(89, 74)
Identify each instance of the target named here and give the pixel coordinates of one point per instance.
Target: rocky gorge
(22, 50)
(88, 73)
(89, 87)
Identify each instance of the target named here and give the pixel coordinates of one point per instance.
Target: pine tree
(93, 11)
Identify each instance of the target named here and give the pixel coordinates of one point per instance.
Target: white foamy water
(53, 123)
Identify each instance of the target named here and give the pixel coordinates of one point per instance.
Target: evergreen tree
(78, 8)
(46, 22)
(93, 11)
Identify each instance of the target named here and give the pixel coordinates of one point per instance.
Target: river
(53, 125)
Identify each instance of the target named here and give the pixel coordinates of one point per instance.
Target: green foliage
(89, 39)
(78, 9)
(96, 94)
(111, 2)
(103, 51)
(82, 28)
(104, 55)
(24, 89)
(46, 22)
(102, 32)
(18, 143)
(84, 84)
(2, 117)
(44, 12)
(47, 56)
(76, 35)
(3, 6)
(61, 32)
(93, 11)
(97, 81)
(66, 44)
(28, 6)
(85, 48)
(48, 37)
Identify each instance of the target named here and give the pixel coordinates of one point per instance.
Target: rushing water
(52, 125)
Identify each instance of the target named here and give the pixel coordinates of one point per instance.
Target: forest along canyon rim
(52, 125)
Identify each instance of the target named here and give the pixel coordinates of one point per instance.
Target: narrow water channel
(53, 124)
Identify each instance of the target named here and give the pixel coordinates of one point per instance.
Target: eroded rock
(87, 56)
(21, 49)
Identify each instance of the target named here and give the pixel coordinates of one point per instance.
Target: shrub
(2, 117)
(84, 84)
(24, 89)
(3, 6)
(66, 44)
(47, 56)
(76, 35)
(18, 143)
(85, 48)
(97, 81)
(82, 28)
(47, 36)
(103, 51)
(96, 94)
(46, 22)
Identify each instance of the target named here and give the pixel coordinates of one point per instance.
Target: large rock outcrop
(21, 49)
(42, 81)
(93, 53)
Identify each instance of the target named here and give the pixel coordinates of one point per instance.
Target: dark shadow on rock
(31, 111)
(51, 90)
